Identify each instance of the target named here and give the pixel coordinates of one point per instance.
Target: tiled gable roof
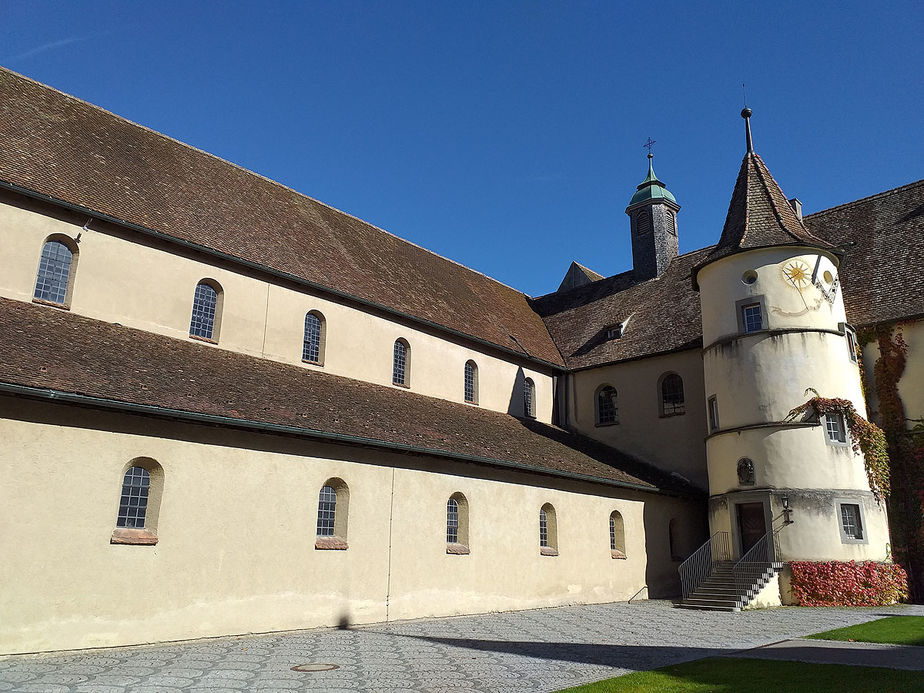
(58, 146)
(55, 350)
(759, 216)
(663, 314)
(882, 273)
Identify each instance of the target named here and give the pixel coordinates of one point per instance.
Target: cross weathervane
(649, 144)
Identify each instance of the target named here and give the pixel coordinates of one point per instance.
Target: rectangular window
(851, 522)
(835, 429)
(713, 414)
(851, 345)
(751, 317)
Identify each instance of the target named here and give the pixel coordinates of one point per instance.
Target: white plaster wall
(236, 535)
(674, 443)
(148, 287)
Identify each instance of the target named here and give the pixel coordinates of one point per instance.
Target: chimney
(796, 205)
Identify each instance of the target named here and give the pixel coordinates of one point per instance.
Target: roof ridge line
(255, 174)
(863, 200)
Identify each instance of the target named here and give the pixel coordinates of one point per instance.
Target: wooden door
(751, 524)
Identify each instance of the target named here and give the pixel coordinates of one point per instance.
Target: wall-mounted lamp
(787, 511)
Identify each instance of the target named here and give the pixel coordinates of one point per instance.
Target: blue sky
(506, 135)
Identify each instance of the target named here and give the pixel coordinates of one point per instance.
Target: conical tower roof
(759, 215)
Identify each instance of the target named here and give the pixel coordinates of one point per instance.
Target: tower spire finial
(746, 114)
(649, 144)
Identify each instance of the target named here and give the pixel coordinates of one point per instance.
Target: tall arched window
(56, 270)
(333, 513)
(471, 382)
(529, 398)
(401, 364)
(671, 392)
(313, 342)
(139, 503)
(617, 535)
(548, 531)
(607, 406)
(206, 310)
(457, 524)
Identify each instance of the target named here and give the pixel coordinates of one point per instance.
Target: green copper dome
(651, 188)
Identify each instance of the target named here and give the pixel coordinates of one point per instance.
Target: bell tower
(653, 221)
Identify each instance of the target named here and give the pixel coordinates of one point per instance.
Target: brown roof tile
(52, 349)
(58, 146)
(882, 274)
(663, 313)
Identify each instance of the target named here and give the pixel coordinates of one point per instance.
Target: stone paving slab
(521, 652)
(860, 654)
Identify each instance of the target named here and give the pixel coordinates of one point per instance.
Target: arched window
(529, 398)
(672, 400)
(139, 503)
(617, 535)
(607, 406)
(56, 269)
(333, 513)
(548, 531)
(471, 382)
(401, 365)
(206, 310)
(457, 524)
(313, 342)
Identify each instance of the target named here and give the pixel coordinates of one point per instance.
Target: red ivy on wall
(839, 583)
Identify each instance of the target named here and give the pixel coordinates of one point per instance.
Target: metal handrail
(701, 563)
(761, 555)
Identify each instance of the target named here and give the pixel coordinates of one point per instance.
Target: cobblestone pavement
(541, 650)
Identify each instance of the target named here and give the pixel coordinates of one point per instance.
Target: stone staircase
(731, 586)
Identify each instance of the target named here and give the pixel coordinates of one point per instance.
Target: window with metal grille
(205, 302)
(529, 398)
(471, 382)
(452, 521)
(54, 272)
(543, 527)
(133, 505)
(751, 317)
(834, 427)
(672, 401)
(851, 523)
(713, 414)
(612, 533)
(311, 345)
(617, 535)
(327, 511)
(399, 366)
(607, 407)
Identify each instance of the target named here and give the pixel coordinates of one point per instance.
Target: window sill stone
(330, 544)
(53, 304)
(133, 536)
(669, 416)
(616, 553)
(547, 551)
(404, 385)
(608, 423)
(457, 549)
(207, 340)
(312, 363)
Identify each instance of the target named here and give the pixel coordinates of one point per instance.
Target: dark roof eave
(325, 436)
(654, 354)
(269, 270)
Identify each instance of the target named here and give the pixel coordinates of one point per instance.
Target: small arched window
(672, 400)
(548, 531)
(313, 341)
(617, 535)
(607, 406)
(139, 503)
(457, 524)
(333, 513)
(529, 398)
(206, 310)
(471, 382)
(56, 270)
(401, 364)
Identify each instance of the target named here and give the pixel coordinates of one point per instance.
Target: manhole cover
(315, 667)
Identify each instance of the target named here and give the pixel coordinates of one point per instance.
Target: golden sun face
(797, 273)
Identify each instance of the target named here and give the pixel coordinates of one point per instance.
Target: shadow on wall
(672, 533)
(515, 407)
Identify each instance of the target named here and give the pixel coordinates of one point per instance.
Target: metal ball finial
(745, 112)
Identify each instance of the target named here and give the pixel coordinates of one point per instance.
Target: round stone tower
(774, 334)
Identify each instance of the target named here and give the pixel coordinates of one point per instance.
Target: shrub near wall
(839, 583)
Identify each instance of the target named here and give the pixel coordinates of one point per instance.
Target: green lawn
(895, 630)
(728, 675)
